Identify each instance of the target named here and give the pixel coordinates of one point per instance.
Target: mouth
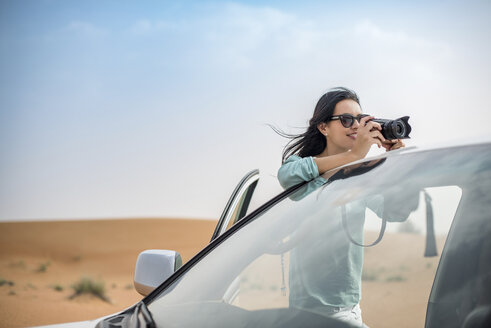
(352, 135)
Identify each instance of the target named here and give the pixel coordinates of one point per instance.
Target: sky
(119, 109)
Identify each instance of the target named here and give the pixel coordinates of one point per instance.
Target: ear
(322, 127)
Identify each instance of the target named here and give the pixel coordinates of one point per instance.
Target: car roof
(415, 149)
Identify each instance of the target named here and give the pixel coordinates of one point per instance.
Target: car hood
(78, 324)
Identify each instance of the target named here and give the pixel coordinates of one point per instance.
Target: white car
(424, 237)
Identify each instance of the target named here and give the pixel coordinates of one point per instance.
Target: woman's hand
(368, 134)
(393, 144)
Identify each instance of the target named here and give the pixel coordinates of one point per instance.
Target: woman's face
(341, 139)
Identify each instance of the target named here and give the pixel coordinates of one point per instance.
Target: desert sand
(40, 261)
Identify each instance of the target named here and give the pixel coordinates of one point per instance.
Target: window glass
(238, 203)
(257, 290)
(237, 211)
(396, 276)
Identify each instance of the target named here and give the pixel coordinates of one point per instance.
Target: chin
(349, 145)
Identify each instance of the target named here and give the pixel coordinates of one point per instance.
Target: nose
(356, 124)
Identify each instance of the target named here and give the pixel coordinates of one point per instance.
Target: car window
(307, 252)
(255, 291)
(267, 188)
(241, 207)
(398, 273)
(238, 203)
(390, 268)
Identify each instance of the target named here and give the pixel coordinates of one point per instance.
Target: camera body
(395, 129)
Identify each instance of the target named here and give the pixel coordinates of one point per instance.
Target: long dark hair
(312, 142)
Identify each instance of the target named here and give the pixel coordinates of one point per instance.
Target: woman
(338, 134)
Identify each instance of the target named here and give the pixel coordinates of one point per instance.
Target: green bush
(88, 286)
(369, 275)
(18, 264)
(6, 282)
(43, 267)
(396, 278)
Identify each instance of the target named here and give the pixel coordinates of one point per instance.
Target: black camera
(395, 129)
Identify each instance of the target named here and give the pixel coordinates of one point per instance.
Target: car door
(238, 203)
(461, 293)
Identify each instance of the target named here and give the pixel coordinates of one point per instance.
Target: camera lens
(395, 129)
(400, 130)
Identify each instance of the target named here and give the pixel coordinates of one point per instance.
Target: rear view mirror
(153, 267)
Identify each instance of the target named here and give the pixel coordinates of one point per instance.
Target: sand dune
(39, 261)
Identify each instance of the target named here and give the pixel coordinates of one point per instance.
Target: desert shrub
(43, 267)
(57, 287)
(404, 268)
(395, 278)
(88, 286)
(18, 264)
(30, 285)
(369, 275)
(6, 282)
(408, 226)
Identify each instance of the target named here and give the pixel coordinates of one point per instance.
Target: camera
(395, 129)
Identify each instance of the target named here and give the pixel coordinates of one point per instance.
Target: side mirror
(153, 267)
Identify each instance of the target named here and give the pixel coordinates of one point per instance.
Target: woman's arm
(327, 163)
(296, 170)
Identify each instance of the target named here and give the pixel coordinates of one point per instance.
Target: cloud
(241, 37)
(145, 27)
(233, 36)
(258, 34)
(87, 29)
(141, 27)
(367, 29)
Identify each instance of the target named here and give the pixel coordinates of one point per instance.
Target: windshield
(305, 257)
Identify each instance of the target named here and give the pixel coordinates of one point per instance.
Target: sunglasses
(347, 120)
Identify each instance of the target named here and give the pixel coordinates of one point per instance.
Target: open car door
(238, 203)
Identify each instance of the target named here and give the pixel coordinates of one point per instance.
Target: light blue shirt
(339, 281)
(296, 170)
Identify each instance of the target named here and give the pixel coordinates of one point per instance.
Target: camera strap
(345, 226)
